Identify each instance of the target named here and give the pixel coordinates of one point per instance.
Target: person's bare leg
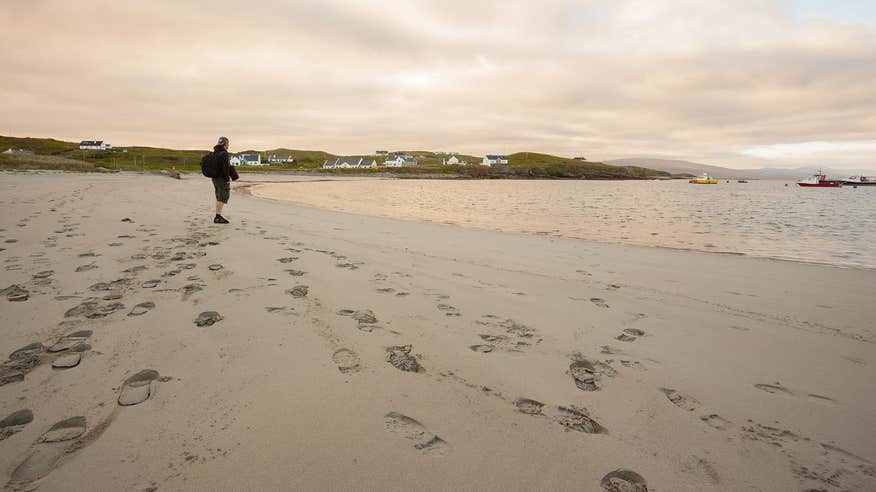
(219, 206)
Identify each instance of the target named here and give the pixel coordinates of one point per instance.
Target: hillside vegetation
(55, 154)
(549, 166)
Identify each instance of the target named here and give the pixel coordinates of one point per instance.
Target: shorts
(223, 189)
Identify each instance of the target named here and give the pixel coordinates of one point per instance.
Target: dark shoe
(220, 219)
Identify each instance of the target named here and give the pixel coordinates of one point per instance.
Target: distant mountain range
(693, 168)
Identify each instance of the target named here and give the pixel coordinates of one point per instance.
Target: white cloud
(706, 80)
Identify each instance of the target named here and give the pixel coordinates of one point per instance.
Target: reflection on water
(761, 218)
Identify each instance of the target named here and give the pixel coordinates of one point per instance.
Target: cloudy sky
(743, 83)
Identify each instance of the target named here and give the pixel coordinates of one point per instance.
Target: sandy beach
(307, 349)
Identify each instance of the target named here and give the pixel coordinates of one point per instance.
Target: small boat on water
(705, 179)
(819, 180)
(860, 181)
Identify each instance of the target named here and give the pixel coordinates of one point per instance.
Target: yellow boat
(705, 179)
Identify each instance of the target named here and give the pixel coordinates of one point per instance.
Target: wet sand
(296, 348)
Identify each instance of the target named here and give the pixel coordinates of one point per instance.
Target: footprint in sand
(190, 289)
(483, 348)
(142, 308)
(623, 481)
(346, 360)
(44, 274)
(400, 357)
(424, 441)
(716, 421)
(529, 407)
(681, 400)
(599, 302)
(208, 318)
(577, 419)
(215, 267)
(288, 259)
(49, 450)
(633, 364)
(85, 268)
(15, 293)
(630, 335)
(285, 311)
(93, 310)
(298, 291)
(776, 389)
(138, 387)
(67, 361)
(21, 362)
(449, 310)
(365, 318)
(14, 422)
(587, 374)
(295, 273)
(571, 418)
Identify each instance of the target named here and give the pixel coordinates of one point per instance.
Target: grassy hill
(306, 159)
(549, 166)
(46, 153)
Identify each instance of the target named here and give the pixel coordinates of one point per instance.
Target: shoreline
(251, 188)
(353, 351)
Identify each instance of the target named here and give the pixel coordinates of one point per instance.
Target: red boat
(819, 180)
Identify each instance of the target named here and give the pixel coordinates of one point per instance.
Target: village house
(349, 163)
(17, 151)
(280, 159)
(251, 160)
(495, 160)
(401, 161)
(94, 145)
(234, 160)
(454, 161)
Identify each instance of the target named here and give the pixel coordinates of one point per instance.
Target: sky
(742, 83)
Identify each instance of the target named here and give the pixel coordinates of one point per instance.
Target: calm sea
(761, 218)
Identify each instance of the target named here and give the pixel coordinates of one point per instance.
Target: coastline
(711, 372)
(265, 190)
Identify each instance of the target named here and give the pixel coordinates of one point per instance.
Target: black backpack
(210, 165)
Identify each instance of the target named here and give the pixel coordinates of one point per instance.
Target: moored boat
(860, 181)
(704, 179)
(819, 180)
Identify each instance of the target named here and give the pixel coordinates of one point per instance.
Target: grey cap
(222, 141)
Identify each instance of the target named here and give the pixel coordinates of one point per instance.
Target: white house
(235, 161)
(349, 163)
(454, 161)
(17, 151)
(280, 159)
(94, 145)
(493, 160)
(401, 161)
(251, 160)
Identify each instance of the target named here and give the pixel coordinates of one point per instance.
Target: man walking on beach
(222, 182)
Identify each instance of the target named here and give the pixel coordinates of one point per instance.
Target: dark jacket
(226, 170)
